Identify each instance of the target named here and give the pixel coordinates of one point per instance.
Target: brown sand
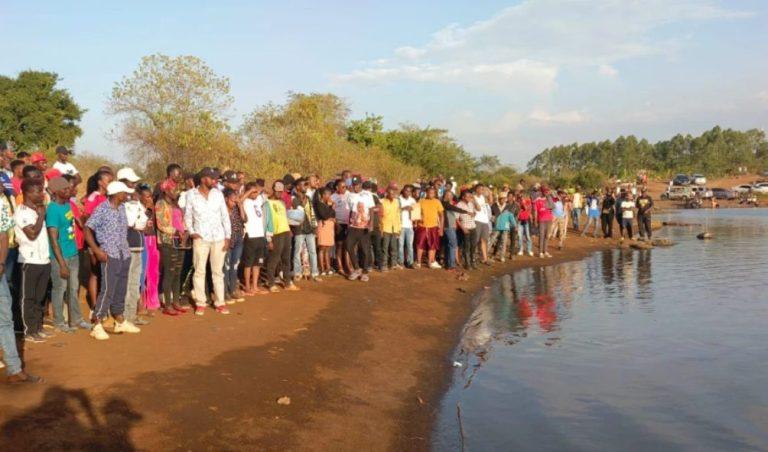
(364, 366)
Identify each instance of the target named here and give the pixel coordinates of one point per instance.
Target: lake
(663, 349)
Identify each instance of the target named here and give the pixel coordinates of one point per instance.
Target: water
(633, 350)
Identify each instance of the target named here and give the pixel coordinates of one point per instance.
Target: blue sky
(507, 78)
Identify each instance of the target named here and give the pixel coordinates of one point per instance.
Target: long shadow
(68, 420)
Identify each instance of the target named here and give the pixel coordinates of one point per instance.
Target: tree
(35, 114)
(173, 109)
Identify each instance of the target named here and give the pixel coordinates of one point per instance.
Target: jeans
(133, 286)
(311, 242)
(591, 220)
(575, 213)
(406, 242)
(560, 228)
(201, 250)
(10, 264)
(451, 243)
(376, 243)
(390, 246)
(231, 264)
(626, 225)
(606, 221)
(499, 243)
(71, 285)
(7, 335)
(114, 274)
(644, 226)
(172, 260)
(543, 235)
(279, 258)
(469, 247)
(524, 234)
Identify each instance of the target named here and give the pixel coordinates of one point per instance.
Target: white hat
(128, 174)
(116, 187)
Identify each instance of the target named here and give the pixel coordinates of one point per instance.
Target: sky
(504, 78)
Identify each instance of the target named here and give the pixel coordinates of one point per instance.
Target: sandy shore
(364, 366)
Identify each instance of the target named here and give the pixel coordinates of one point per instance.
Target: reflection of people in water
(546, 312)
(66, 420)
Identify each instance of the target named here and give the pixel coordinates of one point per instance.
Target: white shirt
(341, 206)
(405, 215)
(481, 215)
(31, 251)
(254, 210)
(65, 168)
(207, 217)
(629, 213)
(363, 197)
(136, 215)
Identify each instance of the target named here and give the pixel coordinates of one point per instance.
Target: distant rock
(641, 245)
(662, 242)
(705, 236)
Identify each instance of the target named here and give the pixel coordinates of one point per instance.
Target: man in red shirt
(542, 211)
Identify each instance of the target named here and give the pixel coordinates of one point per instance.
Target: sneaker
(222, 310)
(364, 278)
(417, 266)
(34, 338)
(199, 310)
(83, 325)
(435, 266)
(502, 260)
(2, 364)
(519, 253)
(65, 329)
(354, 275)
(292, 287)
(530, 253)
(317, 278)
(171, 312)
(44, 335)
(98, 333)
(547, 255)
(274, 289)
(140, 321)
(230, 301)
(126, 327)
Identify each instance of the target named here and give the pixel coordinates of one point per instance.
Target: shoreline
(365, 366)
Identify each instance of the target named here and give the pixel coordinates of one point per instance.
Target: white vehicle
(743, 188)
(699, 179)
(761, 187)
(703, 192)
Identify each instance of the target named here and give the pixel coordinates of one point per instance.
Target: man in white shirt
(359, 232)
(341, 206)
(206, 217)
(407, 201)
(137, 221)
(255, 247)
(482, 221)
(34, 255)
(63, 164)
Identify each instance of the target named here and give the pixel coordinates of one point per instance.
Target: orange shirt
(431, 210)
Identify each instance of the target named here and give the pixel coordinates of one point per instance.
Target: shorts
(428, 238)
(341, 232)
(254, 252)
(483, 231)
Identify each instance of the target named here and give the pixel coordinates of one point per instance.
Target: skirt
(325, 233)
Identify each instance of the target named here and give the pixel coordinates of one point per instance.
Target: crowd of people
(195, 241)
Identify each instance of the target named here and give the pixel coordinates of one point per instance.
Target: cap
(58, 183)
(38, 157)
(51, 173)
(116, 187)
(63, 150)
(356, 180)
(367, 185)
(127, 174)
(209, 172)
(279, 186)
(230, 176)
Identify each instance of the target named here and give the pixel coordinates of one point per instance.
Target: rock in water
(705, 236)
(656, 225)
(641, 245)
(662, 242)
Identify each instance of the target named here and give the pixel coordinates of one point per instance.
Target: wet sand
(364, 366)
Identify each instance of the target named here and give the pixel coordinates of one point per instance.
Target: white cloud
(607, 70)
(540, 38)
(564, 117)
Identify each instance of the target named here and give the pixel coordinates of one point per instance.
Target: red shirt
(525, 210)
(543, 212)
(79, 237)
(92, 202)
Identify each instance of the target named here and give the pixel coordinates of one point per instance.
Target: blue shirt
(5, 179)
(111, 228)
(558, 211)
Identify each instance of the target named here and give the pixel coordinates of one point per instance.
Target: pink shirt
(542, 211)
(92, 202)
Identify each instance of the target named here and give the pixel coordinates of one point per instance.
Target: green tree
(35, 114)
(173, 109)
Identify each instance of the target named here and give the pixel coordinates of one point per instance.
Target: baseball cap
(63, 150)
(58, 183)
(127, 174)
(116, 187)
(209, 172)
(38, 157)
(230, 176)
(356, 180)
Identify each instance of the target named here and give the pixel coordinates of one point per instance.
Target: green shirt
(60, 216)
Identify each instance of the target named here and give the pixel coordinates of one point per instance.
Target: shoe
(64, 329)
(126, 327)
(364, 278)
(487, 263)
(222, 310)
(385, 269)
(317, 278)
(547, 255)
(502, 260)
(239, 299)
(83, 325)
(519, 253)
(140, 321)
(2, 365)
(274, 289)
(541, 255)
(199, 310)
(171, 312)
(98, 333)
(34, 338)
(530, 253)
(435, 266)
(230, 301)
(292, 287)
(44, 335)
(23, 377)
(180, 309)
(354, 275)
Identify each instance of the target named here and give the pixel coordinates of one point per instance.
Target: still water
(664, 349)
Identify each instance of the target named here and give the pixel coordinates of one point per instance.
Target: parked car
(743, 188)
(699, 179)
(703, 192)
(678, 192)
(760, 187)
(722, 193)
(681, 179)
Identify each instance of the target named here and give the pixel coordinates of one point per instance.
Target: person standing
(232, 292)
(560, 219)
(255, 247)
(341, 206)
(359, 232)
(607, 213)
(206, 218)
(326, 225)
(106, 233)
(593, 214)
(482, 221)
(13, 366)
(644, 206)
(405, 244)
(63, 164)
(468, 228)
(278, 240)
(578, 204)
(542, 209)
(390, 228)
(172, 238)
(65, 259)
(451, 239)
(34, 257)
(524, 224)
(137, 222)
(304, 233)
(627, 215)
(430, 231)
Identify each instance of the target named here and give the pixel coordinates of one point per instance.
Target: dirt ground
(364, 366)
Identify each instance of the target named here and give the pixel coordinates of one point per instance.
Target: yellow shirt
(279, 216)
(390, 216)
(431, 209)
